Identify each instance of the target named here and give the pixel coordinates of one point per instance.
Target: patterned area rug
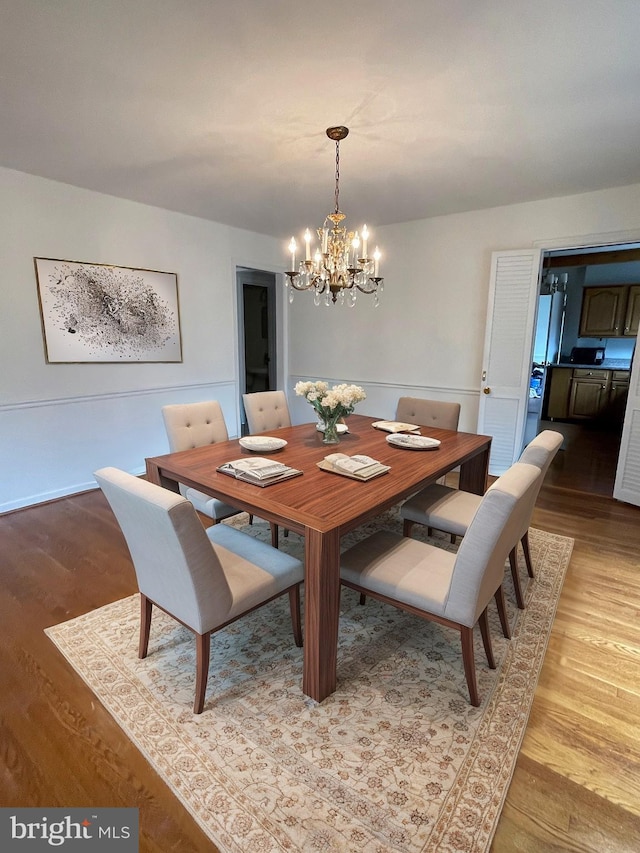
(395, 760)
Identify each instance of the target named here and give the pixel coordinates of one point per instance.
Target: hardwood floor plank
(576, 785)
(599, 765)
(547, 813)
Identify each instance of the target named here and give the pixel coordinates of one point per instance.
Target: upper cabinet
(610, 312)
(632, 316)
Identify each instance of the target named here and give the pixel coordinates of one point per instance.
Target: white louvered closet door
(506, 364)
(627, 485)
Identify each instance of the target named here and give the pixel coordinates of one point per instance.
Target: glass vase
(331, 429)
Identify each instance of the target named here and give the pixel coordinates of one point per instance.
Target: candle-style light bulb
(292, 248)
(365, 237)
(356, 244)
(376, 262)
(307, 240)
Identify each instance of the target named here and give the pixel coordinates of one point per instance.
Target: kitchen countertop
(607, 364)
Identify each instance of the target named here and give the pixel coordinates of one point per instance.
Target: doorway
(592, 438)
(258, 369)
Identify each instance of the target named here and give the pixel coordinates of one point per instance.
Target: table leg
(321, 612)
(474, 472)
(154, 476)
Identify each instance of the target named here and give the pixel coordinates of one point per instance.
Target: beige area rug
(395, 760)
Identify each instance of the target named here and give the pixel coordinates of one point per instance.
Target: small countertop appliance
(587, 355)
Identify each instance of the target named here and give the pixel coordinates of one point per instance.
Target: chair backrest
(175, 562)
(540, 452)
(492, 533)
(542, 449)
(191, 425)
(428, 413)
(266, 410)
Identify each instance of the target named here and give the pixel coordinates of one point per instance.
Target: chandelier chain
(337, 176)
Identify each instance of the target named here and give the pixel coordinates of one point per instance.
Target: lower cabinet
(588, 397)
(587, 393)
(618, 393)
(558, 393)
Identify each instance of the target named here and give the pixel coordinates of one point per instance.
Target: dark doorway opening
(257, 332)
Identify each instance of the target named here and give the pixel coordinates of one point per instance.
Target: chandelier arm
(375, 283)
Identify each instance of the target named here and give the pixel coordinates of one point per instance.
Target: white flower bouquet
(331, 404)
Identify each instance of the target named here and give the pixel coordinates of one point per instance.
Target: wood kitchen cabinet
(610, 312)
(603, 312)
(632, 315)
(557, 402)
(589, 392)
(618, 393)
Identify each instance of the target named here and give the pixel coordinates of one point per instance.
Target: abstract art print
(104, 313)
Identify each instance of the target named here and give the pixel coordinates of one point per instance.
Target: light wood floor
(577, 782)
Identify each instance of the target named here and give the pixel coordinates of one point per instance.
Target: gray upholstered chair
(428, 413)
(266, 410)
(191, 425)
(451, 510)
(451, 589)
(205, 579)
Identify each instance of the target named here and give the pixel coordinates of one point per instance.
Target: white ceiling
(218, 108)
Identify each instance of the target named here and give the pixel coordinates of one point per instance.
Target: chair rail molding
(196, 387)
(51, 447)
(382, 398)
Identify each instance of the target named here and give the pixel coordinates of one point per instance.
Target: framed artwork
(103, 313)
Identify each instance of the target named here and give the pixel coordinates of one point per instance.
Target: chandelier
(340, 266)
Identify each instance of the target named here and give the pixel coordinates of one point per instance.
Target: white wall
(59, 422)
(426, 338)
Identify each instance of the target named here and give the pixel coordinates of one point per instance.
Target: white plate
(413, 442)
(342, 428)
(262, 443)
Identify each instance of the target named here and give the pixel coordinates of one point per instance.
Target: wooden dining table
(322, 506)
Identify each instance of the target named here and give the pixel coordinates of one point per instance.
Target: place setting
(262, 443)
(411, 441)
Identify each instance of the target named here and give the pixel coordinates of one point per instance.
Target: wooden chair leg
(466, 637)
(274, 534)
(527, 554)
(513, 562)
(250, 519)
(146, 606)
(502, 612)
(453, 538)
(363, 598)
(483, 621)
(406, 527)
(286, 533)
(203, 646)
(294, 607)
